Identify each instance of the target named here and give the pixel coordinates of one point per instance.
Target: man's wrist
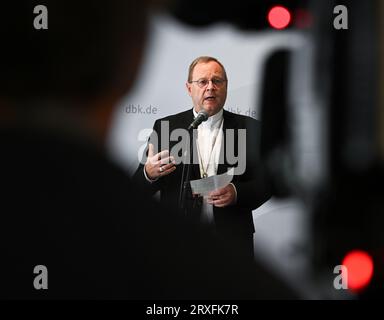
(148, 178)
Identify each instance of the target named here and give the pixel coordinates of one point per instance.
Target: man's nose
(210, 85)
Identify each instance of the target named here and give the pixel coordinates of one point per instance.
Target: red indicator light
(279, 17)
(359, 265)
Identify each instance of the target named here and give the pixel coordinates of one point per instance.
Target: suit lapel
(229, 123)
(195, 168)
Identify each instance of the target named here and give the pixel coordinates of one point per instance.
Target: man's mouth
(210, 98)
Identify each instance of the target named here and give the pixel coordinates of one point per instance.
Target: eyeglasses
(217, 82)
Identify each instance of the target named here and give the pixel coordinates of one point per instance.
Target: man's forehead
(208, 67)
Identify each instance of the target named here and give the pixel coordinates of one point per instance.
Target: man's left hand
(223, 197)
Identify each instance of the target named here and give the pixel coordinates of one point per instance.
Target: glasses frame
(221, 83)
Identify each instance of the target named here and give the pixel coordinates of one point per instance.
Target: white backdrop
(160, 91)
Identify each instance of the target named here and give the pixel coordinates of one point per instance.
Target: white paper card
(206, 185)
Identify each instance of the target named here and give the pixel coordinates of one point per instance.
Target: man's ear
(189, 89)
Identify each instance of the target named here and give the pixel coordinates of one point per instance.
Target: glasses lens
(218, 82)
(202, 83)
(215, 81)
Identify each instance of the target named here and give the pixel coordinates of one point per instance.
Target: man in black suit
(64, 204)
(226, 140)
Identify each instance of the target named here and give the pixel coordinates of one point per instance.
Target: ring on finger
(161, 169)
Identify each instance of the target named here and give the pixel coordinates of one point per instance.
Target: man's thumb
(150, 150)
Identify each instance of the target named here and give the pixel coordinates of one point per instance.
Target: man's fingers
(167, 166)
(167, 171)
(167, 160)
(162, 162)
(217, 197)
(218, 192)
(221, 202)
(221, 197)
(159, 158)
(161, 155)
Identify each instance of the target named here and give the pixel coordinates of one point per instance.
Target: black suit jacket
(64, 205)
(251, 186)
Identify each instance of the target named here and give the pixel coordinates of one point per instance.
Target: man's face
(210, 97)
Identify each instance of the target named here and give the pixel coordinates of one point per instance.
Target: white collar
(212, 120)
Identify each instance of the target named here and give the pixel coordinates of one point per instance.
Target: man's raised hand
(159, 164)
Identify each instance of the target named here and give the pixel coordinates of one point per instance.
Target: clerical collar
(212, 120)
